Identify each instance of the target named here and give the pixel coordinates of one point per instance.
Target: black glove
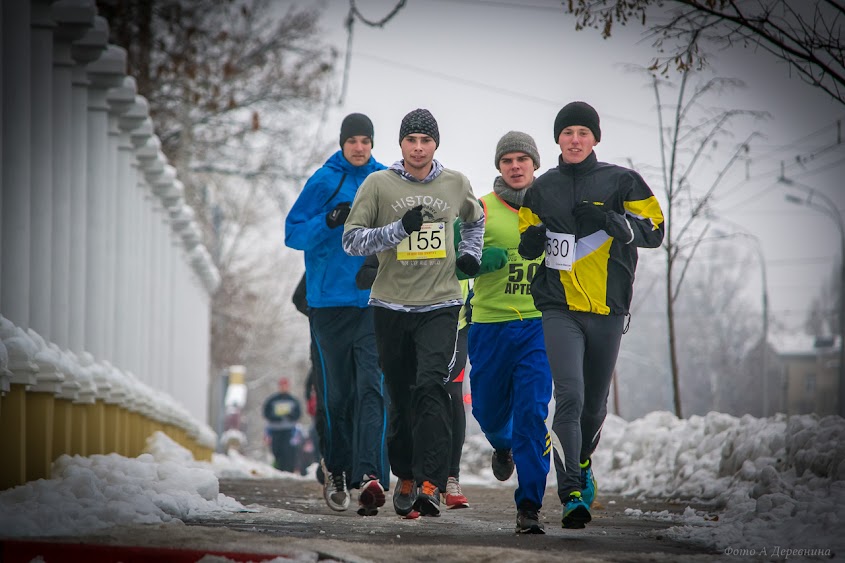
(589, 218)
(532, 243)
(367, 272)
(468, 264)
(338, 215)
(412, 220)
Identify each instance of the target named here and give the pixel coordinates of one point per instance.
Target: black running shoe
(528, 522)
(428, 500)
(502, 464)
(404, 497)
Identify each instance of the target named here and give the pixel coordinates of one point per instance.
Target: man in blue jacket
(350, 383)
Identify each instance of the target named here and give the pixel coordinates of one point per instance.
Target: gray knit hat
(419, 121)
(517, 141)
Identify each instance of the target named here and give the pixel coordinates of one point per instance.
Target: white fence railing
(105, 286)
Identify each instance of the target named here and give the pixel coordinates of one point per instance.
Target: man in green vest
(511, 381)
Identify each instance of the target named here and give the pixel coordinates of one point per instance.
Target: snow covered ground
(774, 484)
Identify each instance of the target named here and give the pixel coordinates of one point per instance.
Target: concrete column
(1, 172)
(13, 419)
(104, 73)
(170, 192)
(153, 170)
(40, 409)
(85, 398)
(162, 186)
(84, 51)
(63, 429)
(73, 20)
(152, 164)
(16, 183)
(148, 158)
(41, 203)
(120, 100)
(139, 137)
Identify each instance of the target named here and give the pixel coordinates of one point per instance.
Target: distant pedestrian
(349, 382)
(511, 380)
(589, 217)
(282, 411)
(405, 215)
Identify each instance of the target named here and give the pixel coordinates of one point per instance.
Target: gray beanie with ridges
(517, 141)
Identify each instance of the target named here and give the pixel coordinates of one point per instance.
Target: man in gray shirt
(405, 214)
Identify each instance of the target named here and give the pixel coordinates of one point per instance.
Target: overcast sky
(484, 68)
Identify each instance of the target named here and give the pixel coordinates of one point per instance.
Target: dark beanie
(419, 121)
(577, 113)
(356, 124)
(517, 141)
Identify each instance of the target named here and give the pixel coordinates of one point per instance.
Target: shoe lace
(339, 482)
(453, 487)
(428, 488)
(406, 486)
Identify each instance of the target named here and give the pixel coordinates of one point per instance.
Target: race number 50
(560, 250)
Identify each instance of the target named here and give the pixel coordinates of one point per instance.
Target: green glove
(493, 258)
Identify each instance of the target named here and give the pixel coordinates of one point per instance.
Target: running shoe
(428, 499)
(589, 487)
(454, 496)
(528, 522)
(576, 512)
(404, 496)
(502, 464)
(371, 496)
(334, 490)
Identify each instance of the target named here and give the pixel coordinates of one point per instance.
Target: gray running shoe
(502, 464)
(404, 497)
(334, 490)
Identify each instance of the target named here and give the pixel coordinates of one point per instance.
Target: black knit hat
(419, 121)
(517, 141)
(577, 113)
(356, 124)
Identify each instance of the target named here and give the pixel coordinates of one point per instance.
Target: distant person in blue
(282, 410)
(349, 383)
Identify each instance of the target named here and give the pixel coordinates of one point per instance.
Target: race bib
(428, 242)
(560, 250)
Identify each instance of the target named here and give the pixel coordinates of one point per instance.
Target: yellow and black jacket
(602, 276)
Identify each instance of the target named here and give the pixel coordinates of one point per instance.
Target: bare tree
(805, 34)
(238, 92)
(689, 138)
(824, 311)
(716, 328)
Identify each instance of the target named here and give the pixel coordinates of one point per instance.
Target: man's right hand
(532, 243)
(412, 220)
(337, 216)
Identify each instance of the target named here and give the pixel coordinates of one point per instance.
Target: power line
(522, 96)
(499, 4)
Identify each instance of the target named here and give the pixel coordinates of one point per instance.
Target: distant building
(809, 368)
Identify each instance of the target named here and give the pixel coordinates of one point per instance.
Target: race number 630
(560, 250)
